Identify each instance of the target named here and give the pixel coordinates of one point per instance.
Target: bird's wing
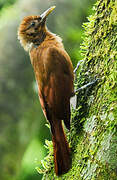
(58, 87)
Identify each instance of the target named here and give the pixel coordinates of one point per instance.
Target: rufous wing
(58, 85)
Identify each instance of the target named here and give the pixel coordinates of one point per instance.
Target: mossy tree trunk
(93, 134)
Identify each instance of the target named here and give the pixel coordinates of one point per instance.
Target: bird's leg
(73, 100)
(86, 85)
(77, 66)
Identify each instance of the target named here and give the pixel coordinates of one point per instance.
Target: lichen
(93, 135)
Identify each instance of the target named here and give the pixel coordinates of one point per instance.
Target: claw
(78, 64)
(86, 85)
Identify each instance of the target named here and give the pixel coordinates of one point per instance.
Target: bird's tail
(62, 160)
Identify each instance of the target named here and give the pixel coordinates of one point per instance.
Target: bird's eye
(32, 24)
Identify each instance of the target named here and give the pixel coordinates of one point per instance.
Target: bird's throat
(32, 40)
(39, 38)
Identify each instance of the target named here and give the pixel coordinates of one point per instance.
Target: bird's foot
(86, 85)
(77, 66)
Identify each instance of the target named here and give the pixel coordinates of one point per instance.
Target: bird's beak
(47, 12)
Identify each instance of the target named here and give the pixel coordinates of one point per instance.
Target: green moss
(93, 137)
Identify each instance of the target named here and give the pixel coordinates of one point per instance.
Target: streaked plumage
(54, 75)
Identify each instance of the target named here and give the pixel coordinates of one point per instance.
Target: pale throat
(40, 40)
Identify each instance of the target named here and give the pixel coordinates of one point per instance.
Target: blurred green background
(22, 124)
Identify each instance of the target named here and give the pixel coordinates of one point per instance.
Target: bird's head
(32, 29)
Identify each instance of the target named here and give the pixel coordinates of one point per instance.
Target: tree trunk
(93, 134)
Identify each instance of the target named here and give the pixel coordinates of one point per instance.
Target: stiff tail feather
(62, 160)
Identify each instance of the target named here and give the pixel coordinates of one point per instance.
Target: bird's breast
(38, 63)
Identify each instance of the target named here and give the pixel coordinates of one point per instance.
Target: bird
(54, 75)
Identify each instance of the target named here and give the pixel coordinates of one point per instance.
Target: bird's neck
(39, 38)
(52, 39)
(46, 39)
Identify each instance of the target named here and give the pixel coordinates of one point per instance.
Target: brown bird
(54, 75)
